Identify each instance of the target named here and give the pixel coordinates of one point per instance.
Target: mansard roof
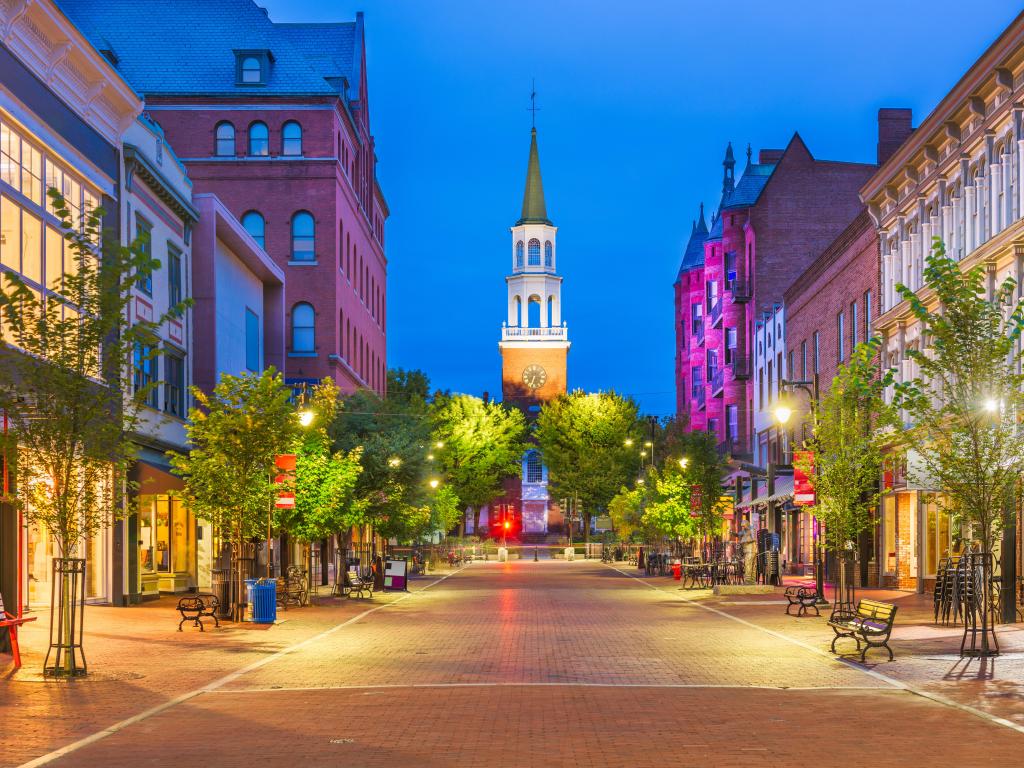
(748, 190)
(693, 255)
(170, 47)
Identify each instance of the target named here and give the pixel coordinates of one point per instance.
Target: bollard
(535, 554)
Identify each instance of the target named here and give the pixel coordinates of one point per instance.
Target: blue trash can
(264, 601)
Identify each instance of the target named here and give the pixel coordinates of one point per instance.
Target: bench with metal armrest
(357, 585)
(194, 607)
(871, 623)
(803, 595)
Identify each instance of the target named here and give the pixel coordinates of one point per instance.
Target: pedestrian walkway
(561, 664)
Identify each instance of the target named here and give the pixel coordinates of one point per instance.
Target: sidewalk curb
(74, 746)
(897, 684)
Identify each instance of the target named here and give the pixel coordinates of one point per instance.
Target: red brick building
(274, 120)
(769, 226)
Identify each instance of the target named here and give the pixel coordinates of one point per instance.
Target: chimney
(894, 126)
(770, 156)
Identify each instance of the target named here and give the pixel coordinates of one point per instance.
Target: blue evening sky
(637, 103)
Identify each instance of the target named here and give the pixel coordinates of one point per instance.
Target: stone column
(969, 200)
(996, 212)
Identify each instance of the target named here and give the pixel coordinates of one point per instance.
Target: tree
(966, 402)
(325, 480)
(626, 510)
(64, 365)
(583, 439)
(235, 433)
(847, 446)
(393, 435)
(669, 509)
(478, 444)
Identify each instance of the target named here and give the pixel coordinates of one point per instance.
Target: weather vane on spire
(533, 103)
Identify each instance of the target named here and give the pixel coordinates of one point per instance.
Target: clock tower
(534, 338)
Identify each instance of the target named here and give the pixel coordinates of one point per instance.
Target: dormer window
(252, 67)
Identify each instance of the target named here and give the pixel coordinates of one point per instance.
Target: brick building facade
(768, 227)
(274, 120)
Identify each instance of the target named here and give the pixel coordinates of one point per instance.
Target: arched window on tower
(533, 310)
(534, 469)
(519, 255)
(548, 259)
(533, 253)
(303, 328)
(254, 224)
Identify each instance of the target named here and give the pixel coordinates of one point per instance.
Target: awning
(154, 478)
(783, 491)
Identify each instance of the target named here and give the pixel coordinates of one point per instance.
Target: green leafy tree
(445, 510)
(668, 511)
(851, 430)
(704, 472)
(588, 441)
(64, 387)
(235, 433)
(966, 403)
(393, 436)
(626, 510)
(326, 503)
(477, 446)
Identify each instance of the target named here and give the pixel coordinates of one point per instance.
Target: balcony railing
(698, 397)
(716, 313)
(741, 367)
(717, 381)
(741, 290)
(699, 333)
(521, 333)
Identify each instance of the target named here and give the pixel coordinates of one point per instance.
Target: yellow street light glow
(683, 462)
(640, 481)
(430, 457)
(439, 444)
(394, 461)
(649, 444)
(782, 414)
(991, 405)
(306, 418)
(435, 483)
(628, 443)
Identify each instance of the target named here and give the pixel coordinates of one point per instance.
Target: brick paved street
(551, 663)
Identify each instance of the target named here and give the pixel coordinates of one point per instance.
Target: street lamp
(628, 442)
(439, 444)
(394, 461)
(434, 482)
(991, 405)
(306, 417)
(684, 462)
(782, 415)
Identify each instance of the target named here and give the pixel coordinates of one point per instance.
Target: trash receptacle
(677, 571)
(249, 584)
(220, 587)
(264, 601)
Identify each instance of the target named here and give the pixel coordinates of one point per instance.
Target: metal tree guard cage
(979, 606)
(67, 599)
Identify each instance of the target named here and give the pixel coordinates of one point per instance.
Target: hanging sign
(285, 463)
(696, 500)
(803, 469)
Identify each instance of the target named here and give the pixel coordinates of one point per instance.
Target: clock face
(534, 376)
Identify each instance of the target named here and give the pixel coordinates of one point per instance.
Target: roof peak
(534, 208)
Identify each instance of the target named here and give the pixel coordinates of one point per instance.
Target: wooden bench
(194, 607)
(871, 623)
(291, 589)
(358, 585)
(12, 623)
(803, 595)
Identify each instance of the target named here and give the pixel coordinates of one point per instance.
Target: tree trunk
(586, 527)
(476, 522)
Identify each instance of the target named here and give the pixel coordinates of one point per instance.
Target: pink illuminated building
(768, 227)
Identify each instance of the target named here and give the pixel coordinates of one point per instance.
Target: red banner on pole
(696, 499)
(285, 462)
(803, 469)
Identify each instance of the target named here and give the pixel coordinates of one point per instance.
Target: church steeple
(534, 209)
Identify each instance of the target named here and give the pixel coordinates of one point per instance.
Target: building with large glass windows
(63, 110)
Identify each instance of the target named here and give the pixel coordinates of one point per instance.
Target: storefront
(166, 535)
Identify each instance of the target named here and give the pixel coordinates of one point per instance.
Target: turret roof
(693, 254)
